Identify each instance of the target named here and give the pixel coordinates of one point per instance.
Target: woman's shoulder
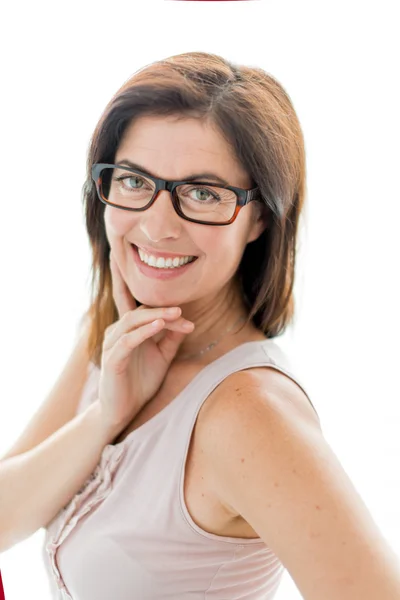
(251, 388)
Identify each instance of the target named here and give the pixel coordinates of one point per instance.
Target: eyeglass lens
(131, 190)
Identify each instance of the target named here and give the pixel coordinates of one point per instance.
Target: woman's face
(175, 150)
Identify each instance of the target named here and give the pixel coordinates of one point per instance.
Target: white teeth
(164, 263)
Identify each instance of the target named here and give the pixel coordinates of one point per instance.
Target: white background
(60, 66)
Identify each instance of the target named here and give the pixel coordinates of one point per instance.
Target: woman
(214, 474)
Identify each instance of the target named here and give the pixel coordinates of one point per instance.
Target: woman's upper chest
(172, 385)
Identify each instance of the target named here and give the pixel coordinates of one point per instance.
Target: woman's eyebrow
(193, 177)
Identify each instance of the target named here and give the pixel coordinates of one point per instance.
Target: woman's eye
(132, 179)
(202, 195)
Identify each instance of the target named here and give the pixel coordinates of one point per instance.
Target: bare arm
(271, 463)
(37, 484)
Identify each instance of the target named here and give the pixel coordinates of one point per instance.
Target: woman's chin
(156, 300)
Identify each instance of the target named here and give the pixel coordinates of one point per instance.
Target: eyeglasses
(196, 201)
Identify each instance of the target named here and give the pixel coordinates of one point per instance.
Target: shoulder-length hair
(256, 116)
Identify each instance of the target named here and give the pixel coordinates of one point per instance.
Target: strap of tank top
(252, 354)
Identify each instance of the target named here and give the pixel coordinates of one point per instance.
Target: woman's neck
(220, 323)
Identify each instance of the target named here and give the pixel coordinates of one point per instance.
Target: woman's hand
(136, 355)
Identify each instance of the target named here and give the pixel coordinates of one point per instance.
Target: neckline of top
(187, 387)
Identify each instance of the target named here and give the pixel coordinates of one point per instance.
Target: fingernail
(187, 325)
(171, 311)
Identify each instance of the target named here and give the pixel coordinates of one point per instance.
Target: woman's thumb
(124, 301)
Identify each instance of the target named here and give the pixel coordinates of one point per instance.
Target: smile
(161, 262)
(165, 268)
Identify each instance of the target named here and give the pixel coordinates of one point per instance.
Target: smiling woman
(214, 475)
(179, 221)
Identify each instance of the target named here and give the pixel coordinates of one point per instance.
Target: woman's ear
(260, 221)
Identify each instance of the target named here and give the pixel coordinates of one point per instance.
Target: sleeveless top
(127, 532)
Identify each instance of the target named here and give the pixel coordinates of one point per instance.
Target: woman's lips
(157, 273)
(157, 253)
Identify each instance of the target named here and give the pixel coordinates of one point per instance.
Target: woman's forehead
(175, 149)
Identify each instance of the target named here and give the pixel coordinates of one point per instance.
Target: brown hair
(257, 118)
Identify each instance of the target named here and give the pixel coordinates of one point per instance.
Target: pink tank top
(127, 533)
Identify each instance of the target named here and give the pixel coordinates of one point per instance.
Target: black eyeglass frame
(243, 196)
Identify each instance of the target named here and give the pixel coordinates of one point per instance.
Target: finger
(179, 325)
(169, 344)
(119, 355)
(136, 319)
(124, 301)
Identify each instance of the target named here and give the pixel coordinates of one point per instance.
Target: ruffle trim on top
(98, 485)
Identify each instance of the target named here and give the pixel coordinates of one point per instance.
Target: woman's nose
(160, 220)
